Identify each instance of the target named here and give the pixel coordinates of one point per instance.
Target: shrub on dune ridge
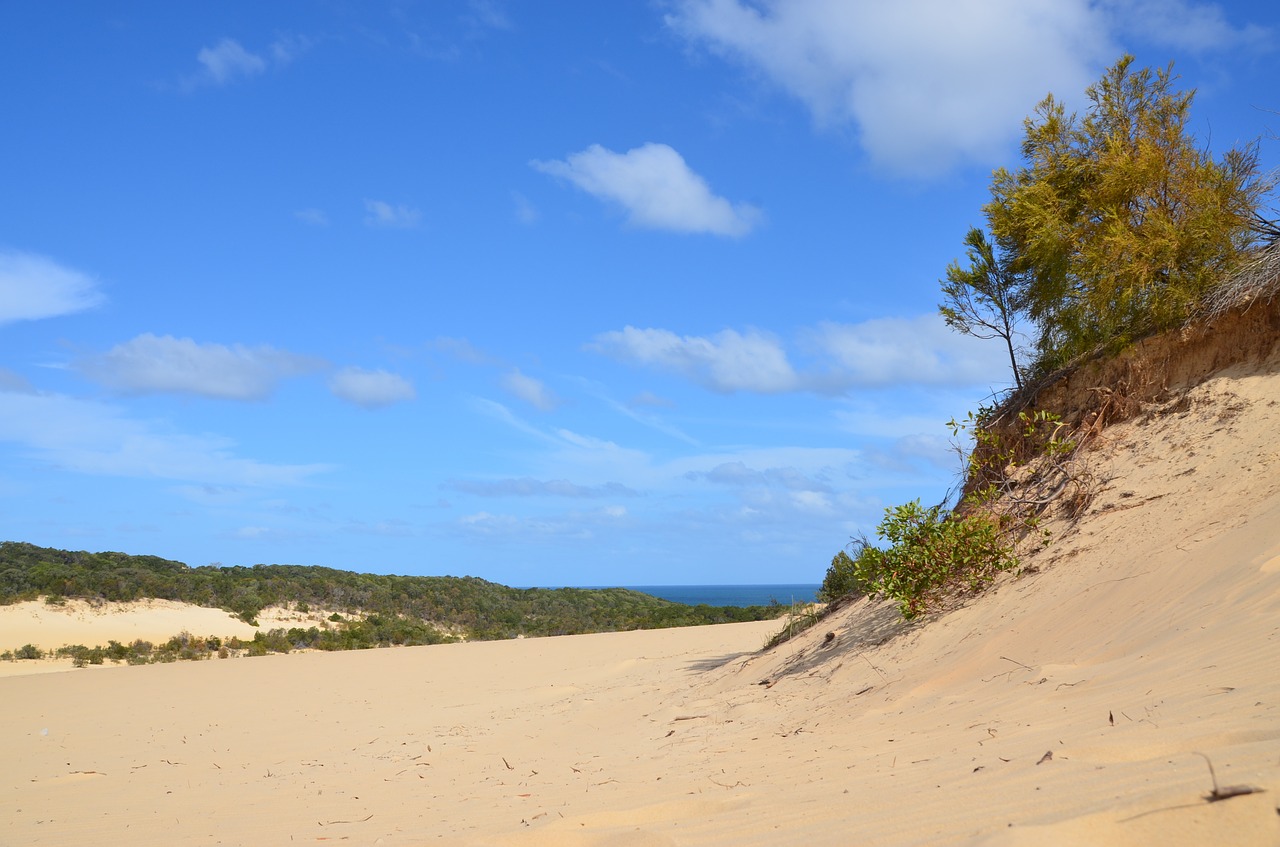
(930, 552)
(1118, 225)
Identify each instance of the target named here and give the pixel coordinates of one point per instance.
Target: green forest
(369, 610)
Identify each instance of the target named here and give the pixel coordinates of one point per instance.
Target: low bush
(931, 552)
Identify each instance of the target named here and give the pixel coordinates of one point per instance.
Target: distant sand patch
(49, 626)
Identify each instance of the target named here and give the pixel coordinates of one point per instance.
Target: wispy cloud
(34, 287)
(489, 14)
(371, 389)
(227, 61)
(893, 351)
(10, 381)
(500, 413)
(655, 188)
(379, 213)
(651, 400)
(737, 474)
(99, 438)
(876, 353)
(526, 213)
(463, 350)
(288, 48)
(151, 364)
(312, 217)
(727, 361)
(633, 411)
(1182, 25)
(926, 84)
(569, 527)
(529, 487)
(530, 390)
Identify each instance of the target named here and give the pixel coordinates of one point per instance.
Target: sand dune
(50, 626)
(1066, 708)
(79, 622)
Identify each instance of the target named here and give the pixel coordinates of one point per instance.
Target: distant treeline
(473, 607)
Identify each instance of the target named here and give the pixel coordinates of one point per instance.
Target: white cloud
(926, 84)
(227, 61)
(530, 390)
(288, 48)
(97, 438)
(371, 389)
(34, 287)
(655, 187)
(383, 214)
(728, 361)
(894, 351)
(1196, 27)
(874, 354)
(151, 364)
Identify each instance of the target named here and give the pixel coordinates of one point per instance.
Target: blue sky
(547, 293)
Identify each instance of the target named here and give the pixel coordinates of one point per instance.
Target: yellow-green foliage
(1120, 222)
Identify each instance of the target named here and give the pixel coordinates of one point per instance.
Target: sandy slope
(80, 622)
(1151, 632)
(95, 624)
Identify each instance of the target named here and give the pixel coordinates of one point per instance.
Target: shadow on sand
(843, 632)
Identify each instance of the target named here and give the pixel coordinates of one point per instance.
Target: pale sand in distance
(1064, 708)
(78, 622)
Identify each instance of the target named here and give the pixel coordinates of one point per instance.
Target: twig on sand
(873, 667)
(1226, 792)
(1016, 662)
(330, 823)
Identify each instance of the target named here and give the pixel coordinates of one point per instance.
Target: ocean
(731, 595)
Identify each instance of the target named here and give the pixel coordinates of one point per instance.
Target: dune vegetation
(1117, 225)
(367, 610)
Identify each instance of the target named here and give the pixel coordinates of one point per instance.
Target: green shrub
(29, 651)
(931, 552)
(842, 579)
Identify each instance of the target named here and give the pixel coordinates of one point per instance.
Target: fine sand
(1064, 708)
